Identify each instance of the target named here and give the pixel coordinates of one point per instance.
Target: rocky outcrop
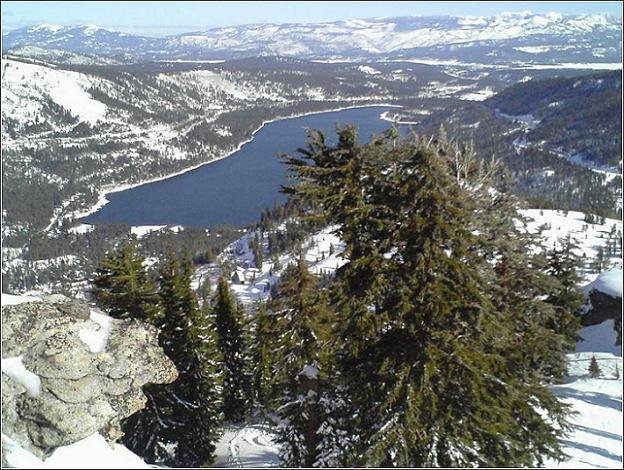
(69, 372)
(604, 301)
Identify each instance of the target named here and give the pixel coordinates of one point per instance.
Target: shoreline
(106, 190)
(384, 117)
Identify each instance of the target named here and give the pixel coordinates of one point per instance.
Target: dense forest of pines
(579, 115)
(432, 346)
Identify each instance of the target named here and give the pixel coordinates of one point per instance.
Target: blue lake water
(235, 189)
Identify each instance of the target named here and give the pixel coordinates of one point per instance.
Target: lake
(235, 189)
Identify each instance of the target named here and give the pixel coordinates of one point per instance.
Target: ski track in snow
(249, 446)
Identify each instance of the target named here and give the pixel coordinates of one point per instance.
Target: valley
(288, 265)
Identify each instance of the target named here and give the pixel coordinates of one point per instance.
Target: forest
(433, 345)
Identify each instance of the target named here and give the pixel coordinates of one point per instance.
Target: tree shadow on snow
(592, 449)
(599, 432)
(599, 399)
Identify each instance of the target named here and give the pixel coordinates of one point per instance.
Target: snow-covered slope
(596, 438)
(590, 238)
(532, 36)
(26, 89)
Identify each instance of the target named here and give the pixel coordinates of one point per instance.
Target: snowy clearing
(22, 83)
(249, 446)
(596, 440)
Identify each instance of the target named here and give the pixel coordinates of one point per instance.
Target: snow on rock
(90, 452)
(14, 368)
(96, 338)
(73, 390)
(608, 282)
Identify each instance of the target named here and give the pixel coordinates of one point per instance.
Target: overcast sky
(161, 18)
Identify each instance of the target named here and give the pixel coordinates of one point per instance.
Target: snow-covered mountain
(510, 36)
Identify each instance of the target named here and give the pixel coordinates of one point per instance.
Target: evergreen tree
(262, 340)
(123, 288)
(181, 421)
(563, 264)
(228, 320)
(437, 361)
(301, 339)
(594, 368)
(204, 291)
(258, 251)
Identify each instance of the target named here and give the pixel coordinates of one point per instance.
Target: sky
(162, 18)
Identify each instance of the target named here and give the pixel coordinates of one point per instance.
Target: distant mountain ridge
(506, 37)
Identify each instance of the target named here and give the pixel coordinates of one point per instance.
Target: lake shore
(106, 190)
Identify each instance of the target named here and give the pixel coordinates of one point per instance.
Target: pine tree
(258, 251)
(123, 288)
(594, 368)
(180, 423)
(261, 346)
(563, 264)
(301, 359)
(435, 359)
(228, 319)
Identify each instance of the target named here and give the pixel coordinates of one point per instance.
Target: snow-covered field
(596, 438)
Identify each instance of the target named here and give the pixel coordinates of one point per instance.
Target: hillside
(524, 38)
(559, 137)
(581, 117)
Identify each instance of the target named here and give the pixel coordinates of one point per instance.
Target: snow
(599, 338)
(14, 368)
(480, 95)
(142, 230)
(11, 299)
(369, 70)
(257, 282)
(91, 452)
(97, 338)
(609, 282)
(558, 225)
(310, 371)
(26, 86)
(250, 446)
(596, 438)
(81, 229)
